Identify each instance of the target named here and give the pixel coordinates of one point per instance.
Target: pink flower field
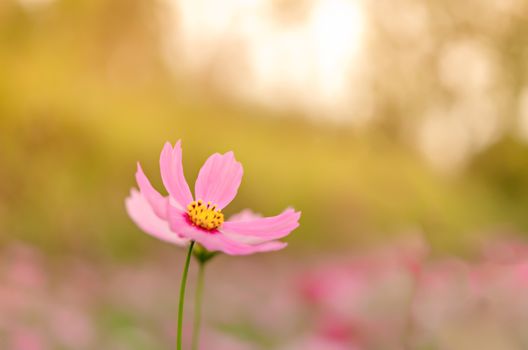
(394, 297)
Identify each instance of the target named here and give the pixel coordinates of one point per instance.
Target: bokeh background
(383, 121)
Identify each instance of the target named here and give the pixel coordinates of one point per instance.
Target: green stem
(198, 306)
(182, 297)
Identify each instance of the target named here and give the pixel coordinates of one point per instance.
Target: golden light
(246, 48)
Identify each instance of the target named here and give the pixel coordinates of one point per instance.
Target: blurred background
(383, 121)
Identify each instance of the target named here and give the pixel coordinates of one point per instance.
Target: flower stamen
(204, 215)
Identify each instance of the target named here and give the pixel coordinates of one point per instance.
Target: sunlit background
(399, 124)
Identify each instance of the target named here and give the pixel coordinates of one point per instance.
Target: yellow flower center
(206, 216)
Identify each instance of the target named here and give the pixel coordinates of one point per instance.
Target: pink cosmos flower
(179, 218)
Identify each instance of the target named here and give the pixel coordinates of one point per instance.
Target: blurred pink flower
(444, 295)
(27, 339)
(219, 341)
(24, 267)
(505, 250)
(318, 342)
(365, 300)
(72, 326)
(179, 218)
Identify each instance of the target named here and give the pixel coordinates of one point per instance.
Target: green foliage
(84, 95)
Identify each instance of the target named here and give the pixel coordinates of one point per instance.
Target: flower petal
(142, 213)
(244, 215)
(215, 240)
(219, 179)
(254, 241)
(268, 228)
(271, 246)
(172, 174)
(156, 200)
